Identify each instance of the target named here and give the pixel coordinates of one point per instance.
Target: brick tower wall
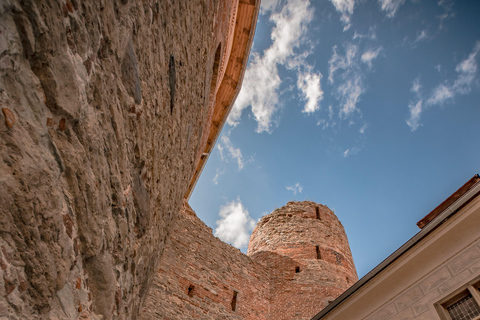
(305, 249)
(199, 274)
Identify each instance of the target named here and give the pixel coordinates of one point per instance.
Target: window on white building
(463, 304)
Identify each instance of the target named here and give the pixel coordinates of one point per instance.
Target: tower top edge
(295, 208)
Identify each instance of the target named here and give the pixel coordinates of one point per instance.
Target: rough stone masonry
(107, 108)
(298, 261)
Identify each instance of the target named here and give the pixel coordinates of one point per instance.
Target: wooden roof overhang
(229, 88)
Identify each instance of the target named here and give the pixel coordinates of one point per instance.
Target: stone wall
(199, 274)
(105, 114)
(280, 278)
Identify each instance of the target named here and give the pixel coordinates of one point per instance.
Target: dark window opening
(172, 80)
(216, 65)
(190, 290)
(297, 269)
(338, 258)
(348, 279)
(234, 300)
(319, 255)
(318, 213)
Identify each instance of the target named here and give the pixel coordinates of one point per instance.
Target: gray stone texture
(94, 162)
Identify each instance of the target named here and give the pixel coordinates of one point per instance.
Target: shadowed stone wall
(105, 114)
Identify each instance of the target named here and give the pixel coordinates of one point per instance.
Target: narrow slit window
(215, 68)
(297, 269)
(319, 254)
(318, 213)
(234, 300)
(190, 290)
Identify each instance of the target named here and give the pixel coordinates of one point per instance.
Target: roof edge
(466, 196)
(448, 202)
(222, 108)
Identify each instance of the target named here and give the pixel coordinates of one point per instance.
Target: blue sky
(369, 107)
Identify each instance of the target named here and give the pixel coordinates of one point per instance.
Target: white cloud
(440, 94)
(363, 128)
(226, 144)
(415, 108)
(331, 122)
(390, 6)
(309, 84)
(370, 55)
(338, 62)
(235, 224)
(323, 123)
(345, 7)
(268, 5)
(295, 188)
(372, 34)
(346, 73)
(415, 112)
(467, 74)
(353, 151)
(421, 36)
(350, 91)
(416, 86)
(218, 173)
(467, 70)
(262, 81)
(448, 14)
(469, 65)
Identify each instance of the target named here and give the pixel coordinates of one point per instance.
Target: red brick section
(213, 270)
(304, 279)
(284, 275)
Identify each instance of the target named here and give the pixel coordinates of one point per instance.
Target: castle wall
(267, 280)
(306, 251)
(213, 270)
(106, 111)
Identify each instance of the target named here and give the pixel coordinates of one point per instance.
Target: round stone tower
(306, 251)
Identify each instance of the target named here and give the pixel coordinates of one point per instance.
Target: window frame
(234, 302)
(472, 287)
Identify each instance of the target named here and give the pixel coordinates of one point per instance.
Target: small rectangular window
(318, 213)
(234, 300)
(319, 255)
(297, 269)
(190, 290)
(465, 308)
(464, 304)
